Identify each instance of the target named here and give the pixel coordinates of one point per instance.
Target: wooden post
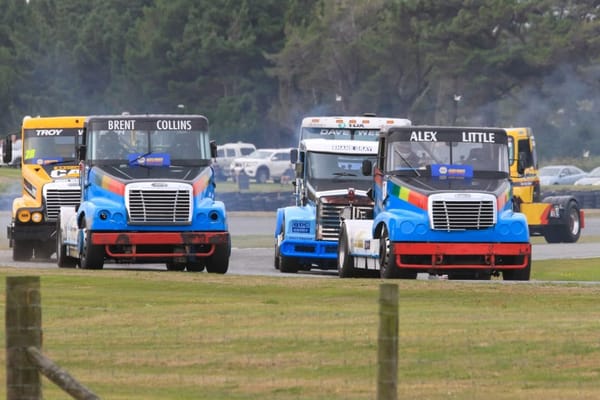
(23, 329)
(387, 346)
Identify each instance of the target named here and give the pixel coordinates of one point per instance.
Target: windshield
(45, 146)
(148, 142)
(326, 171)
(370, 135)
(402, 155)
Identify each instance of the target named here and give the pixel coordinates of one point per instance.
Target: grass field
(162, 335)
(159, 335)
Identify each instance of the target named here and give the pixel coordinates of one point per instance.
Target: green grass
(159, 335)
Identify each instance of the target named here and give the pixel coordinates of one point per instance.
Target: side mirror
(299, 170)
(6, 150)
(81, 152)
(294, 156)
(213, 149)
(367, 168)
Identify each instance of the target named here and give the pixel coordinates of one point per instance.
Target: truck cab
(442, 205)
(147, 196)
(556, 218)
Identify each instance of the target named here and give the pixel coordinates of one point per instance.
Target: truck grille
(60, 197)
(169, 205)
(460, 214)
(328, 219)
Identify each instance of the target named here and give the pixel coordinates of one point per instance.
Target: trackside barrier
(24, 361)
(387, 343)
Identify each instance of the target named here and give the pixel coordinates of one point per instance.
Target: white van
(226, 153)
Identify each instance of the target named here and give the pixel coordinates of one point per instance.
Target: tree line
(255, 68)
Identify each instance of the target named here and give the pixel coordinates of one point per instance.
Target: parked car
(228, 152)
(560, 175)
(593, 178)
(264, 164)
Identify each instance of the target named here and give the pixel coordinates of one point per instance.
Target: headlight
(37, 217)
(24, 216)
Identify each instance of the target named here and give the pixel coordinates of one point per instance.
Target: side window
(285, 156)
(246, 150)
(230, 153)
(220, 153)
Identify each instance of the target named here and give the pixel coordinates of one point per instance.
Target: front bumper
(159, 245)
(313, 249)
(446, 256)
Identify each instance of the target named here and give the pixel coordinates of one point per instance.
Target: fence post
(23, 329)
(387, 343)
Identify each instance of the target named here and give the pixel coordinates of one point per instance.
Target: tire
(569, 231)
(194, 263)
(173, 266)
(345, 262)
(572, 230)
(262, 175)
(288, 264)
(518, 274)
(44, 250)
(218, 263)
(22, 250)
(387, 267)
(277, 246)
(91, 256)
(62, 259)
(387, 260)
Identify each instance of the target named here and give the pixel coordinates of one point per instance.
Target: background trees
(255, 68)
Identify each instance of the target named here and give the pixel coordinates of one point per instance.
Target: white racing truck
(328, 179)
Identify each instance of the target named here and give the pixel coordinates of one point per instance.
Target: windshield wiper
(66, 161)
(343, 174)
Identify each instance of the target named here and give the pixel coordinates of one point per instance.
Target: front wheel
(345, 262)
(262, 175)
(62, 259)
(218, 263)
(22, 250)
(91, 256)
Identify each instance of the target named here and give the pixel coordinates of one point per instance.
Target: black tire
(518, 274)
(195, 266)
(173, 266)
(277, 248)
(387, 267)
(262, 175)
(194, 263)
(572, 230)
(44, 250)
(62, 259)
(218, 263)
(91, 256)
(22, 250)
(345, 262)
(387, 260)
(288, 264)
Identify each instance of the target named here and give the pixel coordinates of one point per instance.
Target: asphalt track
(259, 261)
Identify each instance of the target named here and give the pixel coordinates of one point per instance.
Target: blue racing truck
(147, 196)
(442, 205)
(328, 178)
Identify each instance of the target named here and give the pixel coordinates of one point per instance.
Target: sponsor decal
(300, 227)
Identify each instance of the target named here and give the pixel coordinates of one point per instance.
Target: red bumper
(159, 244)
(498, 256)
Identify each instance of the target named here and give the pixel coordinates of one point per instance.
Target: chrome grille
(60, 197)
(460, 215)
(328, 219)
(169, 205)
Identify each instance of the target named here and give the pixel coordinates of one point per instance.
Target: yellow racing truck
(556, 218)
(50, 179)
